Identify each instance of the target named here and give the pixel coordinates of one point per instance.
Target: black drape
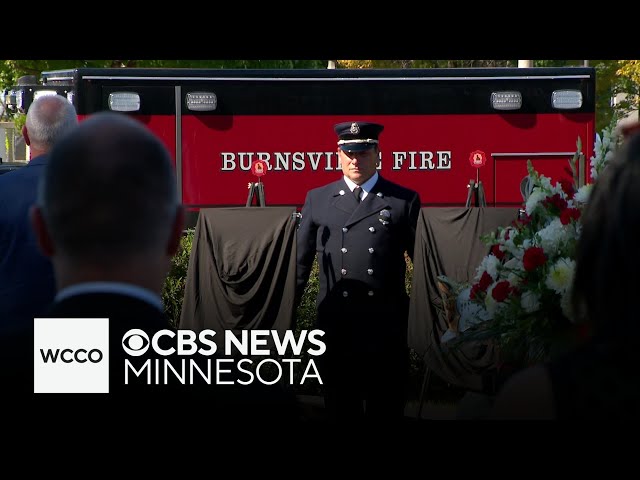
(448, 243)
(242, 270)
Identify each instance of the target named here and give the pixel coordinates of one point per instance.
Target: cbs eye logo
(135, 342)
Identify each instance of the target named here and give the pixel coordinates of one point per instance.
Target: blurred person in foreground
(109, 217)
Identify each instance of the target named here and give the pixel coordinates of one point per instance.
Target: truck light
(19, 102)
(566, 99)
(43, 93)
(9, 99)
(70, 97)
(506, 100)
(124, 101)
(202, 101)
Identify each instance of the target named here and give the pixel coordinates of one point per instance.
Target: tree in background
(628, 73)
(11, 70)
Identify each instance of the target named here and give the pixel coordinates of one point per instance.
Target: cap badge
(355, 128)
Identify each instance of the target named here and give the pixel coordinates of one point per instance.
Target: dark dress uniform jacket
(27, 284)
(360, 249)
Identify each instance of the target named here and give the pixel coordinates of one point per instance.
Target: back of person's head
(606, 282)
(109, 191)
(49, 118)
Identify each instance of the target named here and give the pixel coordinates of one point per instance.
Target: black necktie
(357, 193)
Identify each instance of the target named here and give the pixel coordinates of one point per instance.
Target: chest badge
(384, 217)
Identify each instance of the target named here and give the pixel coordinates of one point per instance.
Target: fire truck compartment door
(511, 168)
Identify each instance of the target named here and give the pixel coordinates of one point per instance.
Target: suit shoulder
(398, 190)
(20, 177)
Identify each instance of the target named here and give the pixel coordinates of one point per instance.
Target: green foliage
(173, 290)
(607, 86)
(19, 119)
(305, 318)
(306, 312)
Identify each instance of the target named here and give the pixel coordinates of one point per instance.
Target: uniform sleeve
(306, 248)
(414, 211)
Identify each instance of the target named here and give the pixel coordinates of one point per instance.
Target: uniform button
(344, 271)
(341, 192)
(370, 249)
(345, 229)
(370, 293)
(345, 294)
(370, 271)
(344, 250)
(371, 229)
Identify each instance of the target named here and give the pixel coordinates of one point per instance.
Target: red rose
(533, 258)
(501, 291)
(485, 281)
(567, 187)
(568, 214)
(495, 250)
(555, 201)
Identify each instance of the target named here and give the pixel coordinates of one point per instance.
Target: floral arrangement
(521, 293)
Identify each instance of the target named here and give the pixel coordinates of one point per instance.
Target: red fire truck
(443, 127)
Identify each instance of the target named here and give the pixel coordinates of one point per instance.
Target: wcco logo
(68, 356)
(71, 355)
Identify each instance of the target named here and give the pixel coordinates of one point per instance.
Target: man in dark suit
(27, 284)
(360, 226)
(108, 216)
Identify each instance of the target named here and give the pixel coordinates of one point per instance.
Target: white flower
(515, 270)
(560, 275)
(490, 265)
(530, 301)
(552, 236)
(546, 183)
(582, 195)
(510, 246)
(534, 199)
(514, 264)
(603, 151)
(597, 158)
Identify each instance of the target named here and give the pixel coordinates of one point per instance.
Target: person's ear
(25, 135)
(176, 232)
(39, 226)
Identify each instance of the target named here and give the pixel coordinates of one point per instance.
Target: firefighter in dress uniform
(360, 227)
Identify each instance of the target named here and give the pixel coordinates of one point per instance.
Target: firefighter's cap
(357, 136)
